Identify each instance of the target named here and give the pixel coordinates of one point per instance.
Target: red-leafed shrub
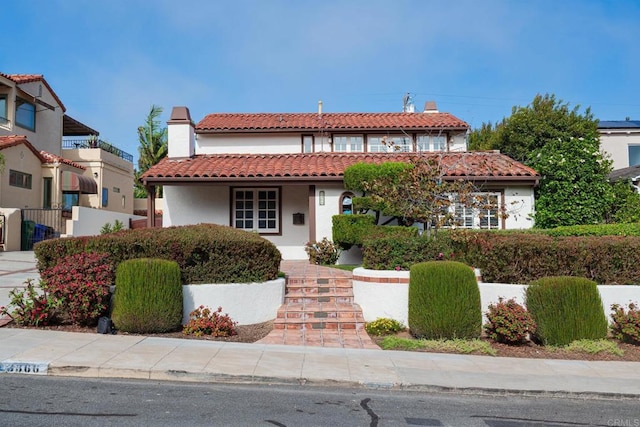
(80, 284)
(204, 321)
(509, 322)
(626, 324)
(30, 307)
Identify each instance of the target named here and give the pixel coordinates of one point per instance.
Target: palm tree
(153, 147)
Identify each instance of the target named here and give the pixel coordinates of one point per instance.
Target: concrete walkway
(127, 356)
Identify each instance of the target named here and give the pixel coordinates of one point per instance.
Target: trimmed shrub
(626, 324)
(508, 322)
(148, 297)
(384, 326)
(350, 230)
(80, 286)
(206, 253)
(566, 309)
(402, 250)
(444, 301)
(204, 321)
(625, 229)
(324, 252)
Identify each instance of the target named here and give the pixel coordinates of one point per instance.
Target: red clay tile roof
(43, 156)
(29, 78)
(326, 166)
(13, 140)
(230, 122)
(52, 158)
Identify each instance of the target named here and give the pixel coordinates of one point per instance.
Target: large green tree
(153, 147)
(562, 145)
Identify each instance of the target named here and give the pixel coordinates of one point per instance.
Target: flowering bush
(30, 307)
(324, 252)
(509, 322)
(384, 326)
(626, 324)
(204, 321)
(80, 286)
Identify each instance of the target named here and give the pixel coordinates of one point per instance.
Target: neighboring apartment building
(621, 140)
(281, 175)
(45, 177)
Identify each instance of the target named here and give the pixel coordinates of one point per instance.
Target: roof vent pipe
(320, 107)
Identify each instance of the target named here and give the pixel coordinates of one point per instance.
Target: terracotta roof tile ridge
(28, 78)
(50, 158)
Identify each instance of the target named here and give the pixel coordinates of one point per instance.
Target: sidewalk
(125, 356)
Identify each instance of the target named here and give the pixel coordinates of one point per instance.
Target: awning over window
(72, 181)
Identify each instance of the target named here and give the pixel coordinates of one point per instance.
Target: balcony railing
(96, 143)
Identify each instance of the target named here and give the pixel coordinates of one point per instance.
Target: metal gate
(42, 224)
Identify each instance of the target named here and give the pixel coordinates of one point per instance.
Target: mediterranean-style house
(52, 163)
(281, 174)
(621, 140)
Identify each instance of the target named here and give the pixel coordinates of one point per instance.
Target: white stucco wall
(240, 144)
(519, 204)
(616, 143)
(246, 303)
(378, 299)
(21, 159)
(88, 221)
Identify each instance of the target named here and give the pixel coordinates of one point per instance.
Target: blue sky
(110, 60)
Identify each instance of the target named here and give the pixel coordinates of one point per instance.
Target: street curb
(217, 378)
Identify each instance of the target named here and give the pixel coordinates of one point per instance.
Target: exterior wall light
(322, 198)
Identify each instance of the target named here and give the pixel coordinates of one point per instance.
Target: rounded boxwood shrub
(148, 296)
(566, 309)
(444, 301)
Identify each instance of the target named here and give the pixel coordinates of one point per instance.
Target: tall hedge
(444, 301)
(566, 309)
(206, 253)
(148, 296)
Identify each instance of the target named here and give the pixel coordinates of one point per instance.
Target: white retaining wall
(246, 303)
(379, 298)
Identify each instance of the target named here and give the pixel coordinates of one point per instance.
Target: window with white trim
(484, 215)
(431, 143)
(257, 209)
(389, 144)
(347, 143)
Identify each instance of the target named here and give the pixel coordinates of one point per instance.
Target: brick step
(346, 311)
(319, 324)
(300, 298)
(327, 281)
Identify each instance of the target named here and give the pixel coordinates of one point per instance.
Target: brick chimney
(181, 133)
(430, 107)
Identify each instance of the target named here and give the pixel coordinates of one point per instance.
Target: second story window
(347, 144)
(25, 114)
(388, 144)
(3, 109)
(432, 143)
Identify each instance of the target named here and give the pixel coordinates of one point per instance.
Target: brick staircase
(318, 309)
(319, 303)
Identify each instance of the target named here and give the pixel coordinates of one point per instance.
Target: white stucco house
(281, 175)
(621, 140)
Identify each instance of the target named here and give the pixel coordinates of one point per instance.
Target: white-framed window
(20, 179)
(431, 143)
(346, 203)
(25, 114)
(484, 215)
(388, 144)
(257, 209)
(347, 143)
(307, 144)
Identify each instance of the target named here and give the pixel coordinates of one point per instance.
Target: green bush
(401, 251)
(444, 301)
(350, 230)
(566, 309)
(628, 229)
(148, 296)
(508, 322)
(206, 253)
(384, 326)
